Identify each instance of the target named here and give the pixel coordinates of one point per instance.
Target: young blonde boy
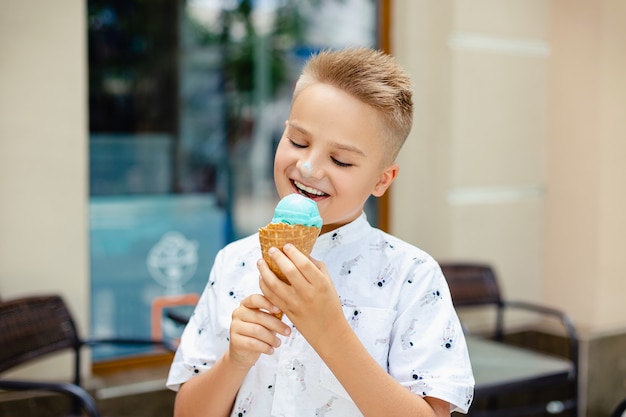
(368, 327)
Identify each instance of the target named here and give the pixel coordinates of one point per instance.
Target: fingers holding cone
(278, 235)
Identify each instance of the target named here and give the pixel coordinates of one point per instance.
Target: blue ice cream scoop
(297, 209)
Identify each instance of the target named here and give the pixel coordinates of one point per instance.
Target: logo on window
(173, 261)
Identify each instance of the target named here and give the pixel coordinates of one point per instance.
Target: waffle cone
(279, 234)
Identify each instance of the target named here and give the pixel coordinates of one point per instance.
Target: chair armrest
(77, 393)
(548, 311)
(565, 320)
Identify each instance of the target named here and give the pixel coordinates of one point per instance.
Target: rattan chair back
(33, 327)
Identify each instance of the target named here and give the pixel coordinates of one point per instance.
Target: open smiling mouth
(307, 191)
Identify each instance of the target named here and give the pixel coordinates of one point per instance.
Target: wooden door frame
(384, 43)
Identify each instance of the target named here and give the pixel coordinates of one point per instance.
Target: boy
(368, 326)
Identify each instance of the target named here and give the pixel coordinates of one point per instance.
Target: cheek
(281, 157)
(354, 184)
(285, 150)
(283, 160)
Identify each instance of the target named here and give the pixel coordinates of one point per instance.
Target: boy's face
(331, 152)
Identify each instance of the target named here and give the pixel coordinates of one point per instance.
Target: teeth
(308, 189)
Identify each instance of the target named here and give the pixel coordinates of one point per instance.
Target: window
(187, 101)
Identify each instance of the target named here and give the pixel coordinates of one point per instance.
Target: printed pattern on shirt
(393, 296)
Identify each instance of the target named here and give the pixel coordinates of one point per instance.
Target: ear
(386, 178)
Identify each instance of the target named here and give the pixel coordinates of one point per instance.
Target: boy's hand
(253, 330)
(311, 301)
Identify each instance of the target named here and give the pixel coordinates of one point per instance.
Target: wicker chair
(33, 327)
(513, 371)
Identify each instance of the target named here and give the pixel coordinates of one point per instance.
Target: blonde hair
(374, 78)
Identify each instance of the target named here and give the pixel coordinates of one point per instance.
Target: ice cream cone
(279, 234)
(296, 221)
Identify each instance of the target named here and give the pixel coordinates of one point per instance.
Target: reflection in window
(187, 102)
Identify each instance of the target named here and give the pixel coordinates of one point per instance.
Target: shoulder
(409, 267)
(400, 250)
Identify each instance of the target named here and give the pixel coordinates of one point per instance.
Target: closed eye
(297, 145)
(340, 164)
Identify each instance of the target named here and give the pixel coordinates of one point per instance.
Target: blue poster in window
(147, 253)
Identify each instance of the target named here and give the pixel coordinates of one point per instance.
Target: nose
(308, 169)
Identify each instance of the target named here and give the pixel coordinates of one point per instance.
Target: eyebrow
(348, 148)
(338, 145)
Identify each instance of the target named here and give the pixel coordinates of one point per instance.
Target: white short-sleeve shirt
(394, 297)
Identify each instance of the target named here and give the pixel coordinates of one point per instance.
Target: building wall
(474, 168)
(585, 228)
(516, 157)
(587, 147)
(43, 153)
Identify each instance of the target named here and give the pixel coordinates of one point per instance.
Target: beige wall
(585, 221)
(474, 169)
(418, 209)
(516, 155)
(43, 152)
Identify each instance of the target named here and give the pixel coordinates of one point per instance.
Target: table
(500, 368)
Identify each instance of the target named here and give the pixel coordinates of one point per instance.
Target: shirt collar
(351, 232)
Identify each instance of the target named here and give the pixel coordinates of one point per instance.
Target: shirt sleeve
(428, 353)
